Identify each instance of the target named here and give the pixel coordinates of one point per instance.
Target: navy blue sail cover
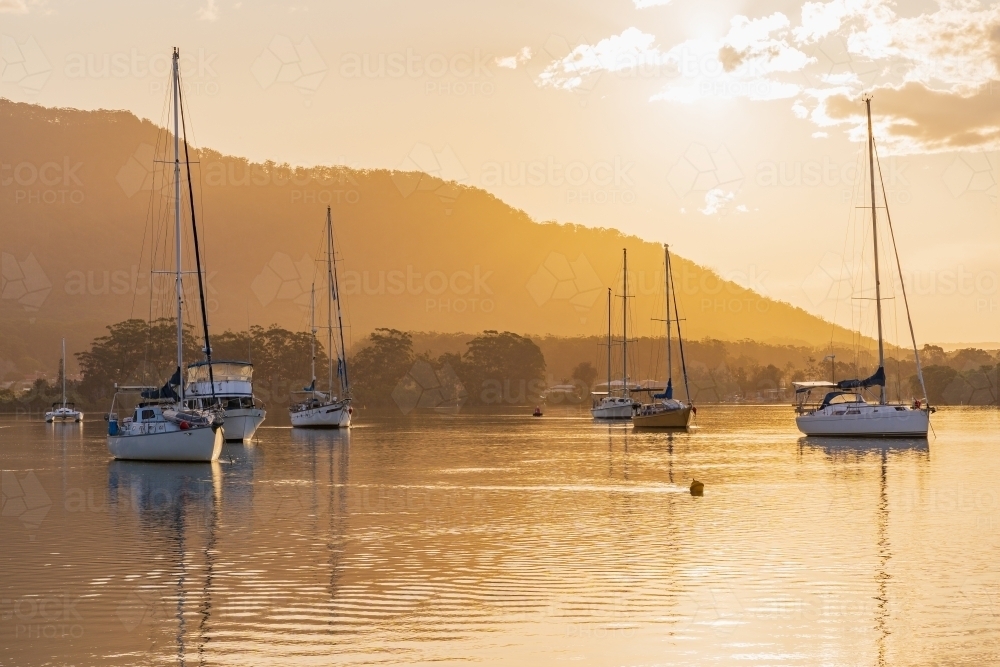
(876, 380)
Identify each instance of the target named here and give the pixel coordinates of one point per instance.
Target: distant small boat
(326, 410)
(537, 412)
(65, 411)
(666, 411)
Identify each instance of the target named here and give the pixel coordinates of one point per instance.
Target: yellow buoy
(697, 488)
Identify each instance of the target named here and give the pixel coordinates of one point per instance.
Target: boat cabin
(233, 383)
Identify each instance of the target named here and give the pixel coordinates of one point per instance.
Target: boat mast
(329, 303)
(666, 298)
(878, 288)
(312, 328)
(625, 323)
(177, 227)
(345, 386)
(609, 342)
(64, 371)
(680, 338)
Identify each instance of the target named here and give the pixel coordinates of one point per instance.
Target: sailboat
(65, 411)
(844, 410)
(667, 411)
(161, 428)
(619, 406)
(233, 390)
(319, 409)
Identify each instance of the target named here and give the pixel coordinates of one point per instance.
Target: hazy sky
(729, 129)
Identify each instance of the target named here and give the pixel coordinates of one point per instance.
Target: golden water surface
(503, 539)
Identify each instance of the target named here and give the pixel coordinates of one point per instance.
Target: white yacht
(232, 389)
(666, 411)
(65, 411)
(161, 428)
(844, 410)
(327, 409)
(159, 431)
(608, 405)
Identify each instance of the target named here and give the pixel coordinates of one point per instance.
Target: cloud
(751, 45)
(630, 49)
(716, 200)
(915, 118)
(511, 62)
(13, 7)
(643, 4)
(210, 12)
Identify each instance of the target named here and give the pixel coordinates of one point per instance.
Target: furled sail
(876, 380)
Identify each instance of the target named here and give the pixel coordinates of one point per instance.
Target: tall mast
(177, 226)
(312, 329)
(609, 341)
(625, 323)
(329, 294)
(878, 288)
(64, 371)
(680, 337)
(666, 298)
(345, 385)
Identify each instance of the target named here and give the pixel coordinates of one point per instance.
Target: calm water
(507, 540)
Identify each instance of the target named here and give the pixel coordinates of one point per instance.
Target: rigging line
(909, 319)
(150, 226)
(680, 339)
(197, 254)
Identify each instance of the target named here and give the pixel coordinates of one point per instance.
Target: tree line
(494, 368)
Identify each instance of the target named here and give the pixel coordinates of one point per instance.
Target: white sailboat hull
(63, 416)
(333, 415)
(197, 444)
(613, 409)
(242, 423)
(876, 421)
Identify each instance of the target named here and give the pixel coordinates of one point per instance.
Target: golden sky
(729, 129)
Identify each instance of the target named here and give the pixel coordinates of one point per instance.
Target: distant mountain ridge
(417, 253)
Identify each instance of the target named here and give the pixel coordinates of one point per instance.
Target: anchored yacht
(232, 390)
(65, 411)
(844, 410)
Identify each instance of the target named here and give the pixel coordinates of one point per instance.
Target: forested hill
(418, 253)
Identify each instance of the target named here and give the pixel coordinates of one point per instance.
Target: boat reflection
(840, 446)
(178, 506)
